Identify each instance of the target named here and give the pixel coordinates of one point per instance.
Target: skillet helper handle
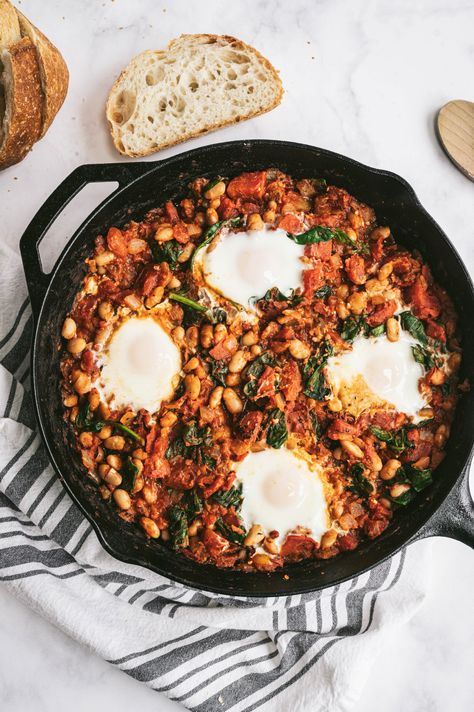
(37, 279)
(455, 517)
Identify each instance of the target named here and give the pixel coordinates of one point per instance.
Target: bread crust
(53, 68)
(9, 25)
(231, 41)
(23, 102)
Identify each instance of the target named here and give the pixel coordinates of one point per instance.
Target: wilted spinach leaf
(178, 527)
(360, 485)
(85, 419)
(129, 475)
(219, 371)
(228, 533)
(277, 432)
(321, 234)
(323, 292)
(422, 356)
(351, 327)
(414, 326)
(229, 498)
(166, 252)
(397, 442)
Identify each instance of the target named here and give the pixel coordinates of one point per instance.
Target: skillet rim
(138, 171)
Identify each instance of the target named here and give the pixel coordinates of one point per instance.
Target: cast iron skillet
(443, 509)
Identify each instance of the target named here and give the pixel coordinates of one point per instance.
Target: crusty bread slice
(23, 102)
(53, 69)
(9, 25)
(198, 84)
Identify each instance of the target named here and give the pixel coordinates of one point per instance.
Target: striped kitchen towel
(209, 652)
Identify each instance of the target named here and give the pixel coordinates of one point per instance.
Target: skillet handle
(455, 517)
(37, 280)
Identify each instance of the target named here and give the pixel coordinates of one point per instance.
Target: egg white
(138, 364)
(246, 264)
(281, 492)
(387, 371)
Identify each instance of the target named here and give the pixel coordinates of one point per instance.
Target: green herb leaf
(414, 326)
(229, 498)
(128, 431)
(178, 527)
(405, 498)
(323, 292)
(129, 475)
(219, 371)
(193, 435)
(255, 369)
(193, 504)
(85, 419)
(317, 429)
(397, 442)
(377, 330)
(166, 252)
(420, 424)
(315, 385)
(211, 184)
(360, 485)
(187, 302)
(277, 433)
(176, 448)
(422, 356)
(218, 316)
(351, 327)
(228, 533)
(420, 478)
(211, 232)
(322, 234)
(274, 295)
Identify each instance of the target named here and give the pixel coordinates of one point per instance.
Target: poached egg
(243, 265)
(282, 491)
(377, 373)
(139, 365)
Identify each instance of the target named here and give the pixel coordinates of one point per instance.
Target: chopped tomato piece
(248, 186)
(153, 276)
(435, 331)
(425, 305)
(171, 212)
(376, 249)
(296, 548)
(340, 427)
(313, 279)
(355, 268)
(214, 542)
(117, 242)
(291, 224)
(348, 542)
(266, 383)
(382, 312)
(250, 424)
(227, 208)
(220, 351)
(319, 251)
(180, 233)
(291, 380)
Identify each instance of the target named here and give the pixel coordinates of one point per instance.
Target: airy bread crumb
(198, 84)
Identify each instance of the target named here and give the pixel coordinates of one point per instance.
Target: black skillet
(443, 509)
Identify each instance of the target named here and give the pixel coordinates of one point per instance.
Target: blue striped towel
(209, 652)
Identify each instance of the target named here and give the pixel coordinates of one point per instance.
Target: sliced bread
(53, 69)
(22, 102)
(33, 84)
(198, 84)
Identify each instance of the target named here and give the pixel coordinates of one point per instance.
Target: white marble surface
(364, 78)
